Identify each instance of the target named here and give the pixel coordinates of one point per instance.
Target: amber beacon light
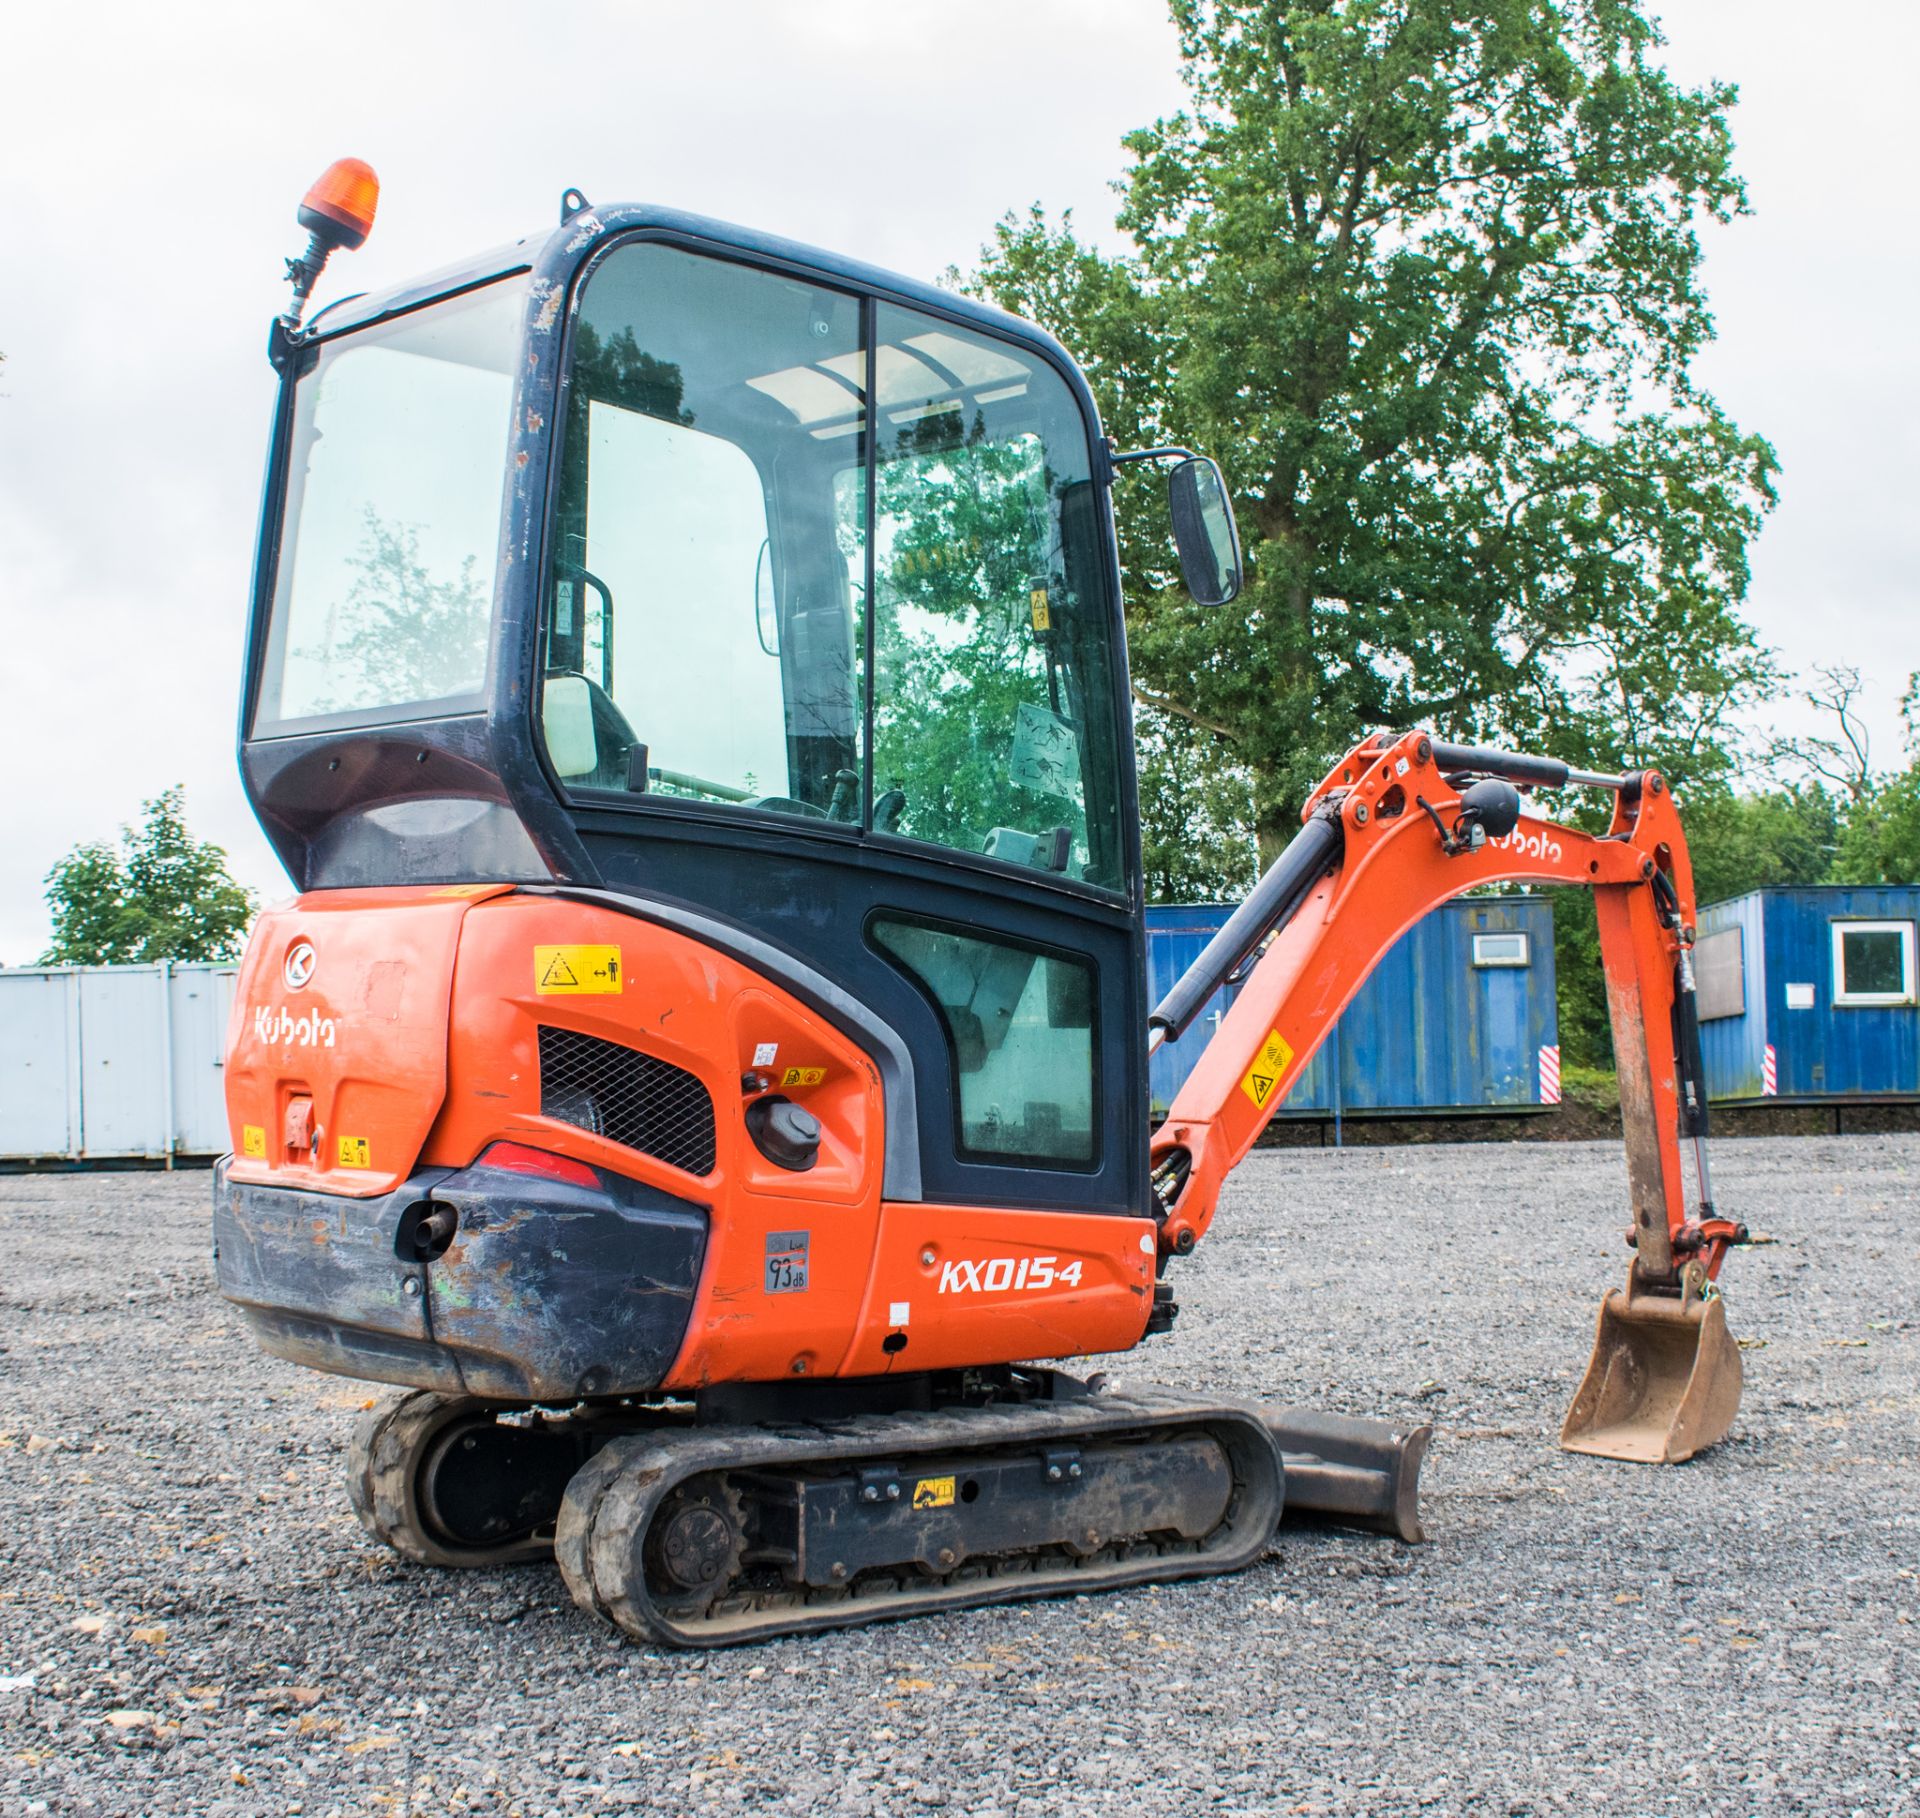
(337, 213)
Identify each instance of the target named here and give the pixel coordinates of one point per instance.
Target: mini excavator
(705, 1067)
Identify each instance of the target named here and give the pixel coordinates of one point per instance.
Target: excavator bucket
(1663, 1383)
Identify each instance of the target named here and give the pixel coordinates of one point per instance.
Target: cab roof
(555, 257)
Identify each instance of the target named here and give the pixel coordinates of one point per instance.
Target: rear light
(517, 1158)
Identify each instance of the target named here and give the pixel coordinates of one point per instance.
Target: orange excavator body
(706, 1062)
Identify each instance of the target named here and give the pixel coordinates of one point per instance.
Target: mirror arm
(1169, 453)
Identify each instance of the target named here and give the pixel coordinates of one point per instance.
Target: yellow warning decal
(803, 1076)
(465, 889)
(253, 1141)
(354, 1152)
(576, 971)
(1042, 613)
(1268, 1065)
(933, 1493)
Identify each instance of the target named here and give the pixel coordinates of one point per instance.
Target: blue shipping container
(1454, 1018)
(1809, 994)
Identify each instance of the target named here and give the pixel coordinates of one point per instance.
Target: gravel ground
(1734, 1635)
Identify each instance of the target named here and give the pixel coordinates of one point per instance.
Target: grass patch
(1596, 1088)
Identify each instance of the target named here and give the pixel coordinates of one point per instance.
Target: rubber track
(383, 1464)
(598, 1542)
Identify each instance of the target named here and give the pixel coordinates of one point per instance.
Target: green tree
(1881, 842)
(159, 895)
(1424, 275)
(1763, 840)
(1196, 816)
(1770, 840)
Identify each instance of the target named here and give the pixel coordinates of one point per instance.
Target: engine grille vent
(627, 1097)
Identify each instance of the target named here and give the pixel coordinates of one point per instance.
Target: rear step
(718, 1535)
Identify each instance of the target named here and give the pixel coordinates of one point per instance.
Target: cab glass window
(701, 638)
(993, 706)
(1020, 1030)
(384, 595)
(787, 516)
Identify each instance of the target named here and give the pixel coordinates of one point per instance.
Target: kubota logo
(1523, 844)
(299, 966)
(309, 1031)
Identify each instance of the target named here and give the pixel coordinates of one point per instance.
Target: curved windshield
(384, 595)
(764, 595)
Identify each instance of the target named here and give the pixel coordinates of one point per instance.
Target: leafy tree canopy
(1771, 840)
(1424, 276)
(1881, 842)
(159, 895)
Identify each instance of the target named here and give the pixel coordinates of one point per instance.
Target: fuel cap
(786, 1135)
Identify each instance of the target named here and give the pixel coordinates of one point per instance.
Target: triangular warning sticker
(1262, 1079)
(577, 969)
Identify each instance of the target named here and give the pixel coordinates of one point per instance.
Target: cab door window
(700, 644)
(832, 559)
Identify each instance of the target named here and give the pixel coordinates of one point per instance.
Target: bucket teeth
(1663, 1382)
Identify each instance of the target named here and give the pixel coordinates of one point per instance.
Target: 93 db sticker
(1263, 1077)
(576, 971)
(786, 1262)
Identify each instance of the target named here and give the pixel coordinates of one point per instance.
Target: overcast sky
(151, 159)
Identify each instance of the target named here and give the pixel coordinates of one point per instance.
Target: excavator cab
(670, 560)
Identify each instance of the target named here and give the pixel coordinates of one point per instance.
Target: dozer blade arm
(1398, 827)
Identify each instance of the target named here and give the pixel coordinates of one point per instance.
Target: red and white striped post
(1550, 1076)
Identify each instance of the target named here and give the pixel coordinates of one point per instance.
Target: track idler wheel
(440, 1480)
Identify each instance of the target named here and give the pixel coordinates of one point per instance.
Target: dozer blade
(1663, 1383)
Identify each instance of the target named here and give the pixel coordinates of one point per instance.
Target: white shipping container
(105, 1063)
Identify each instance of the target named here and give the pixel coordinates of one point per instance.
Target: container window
(1872, 963)
(1513, 949)
(1720, 969)
(1020, 1029)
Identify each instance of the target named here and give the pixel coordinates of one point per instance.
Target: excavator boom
(1402, 824)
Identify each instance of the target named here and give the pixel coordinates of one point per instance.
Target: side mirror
(1204, 531)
